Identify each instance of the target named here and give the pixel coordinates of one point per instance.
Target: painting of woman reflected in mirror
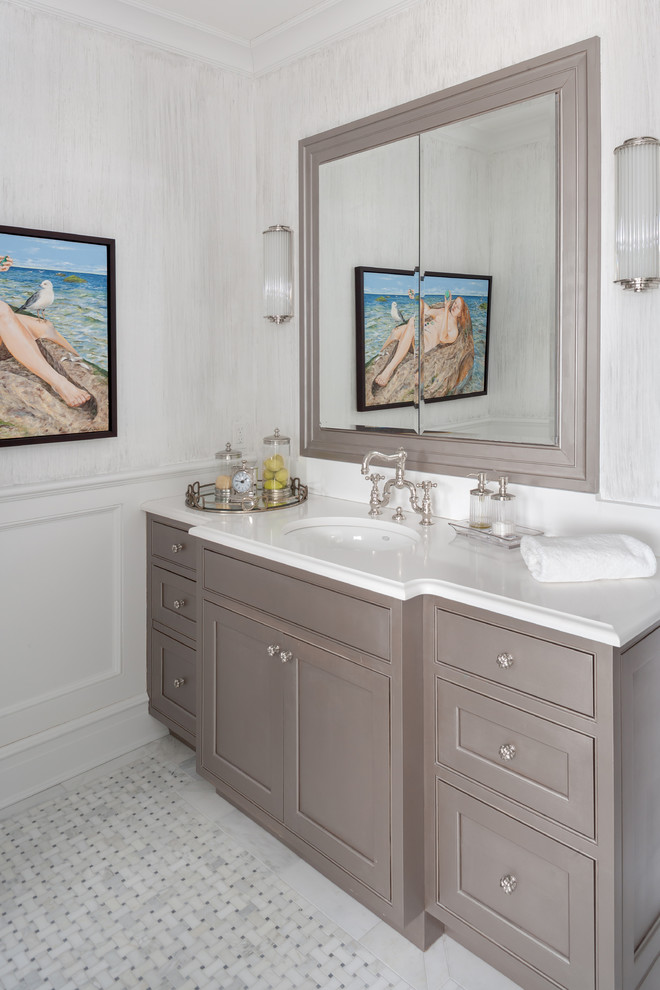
(455, 315)
(387, 316)
(453, 311)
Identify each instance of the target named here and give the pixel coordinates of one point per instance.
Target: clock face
(242, 482)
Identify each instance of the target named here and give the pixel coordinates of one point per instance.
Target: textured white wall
(104, 136)
(433, 45)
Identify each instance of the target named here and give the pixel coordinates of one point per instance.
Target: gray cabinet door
(542, 765)
(241, 704)
(337, 761)
(172, 683)
(519, 888)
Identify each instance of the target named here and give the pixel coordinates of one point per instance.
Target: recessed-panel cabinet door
(337, 759)
(172, 688)
(522, 890)
(242, 706)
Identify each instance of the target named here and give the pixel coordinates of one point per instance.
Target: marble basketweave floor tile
(117, 880)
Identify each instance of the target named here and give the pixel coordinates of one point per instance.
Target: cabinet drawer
(174, 601)
(546, 767)
(173, 671)
(363, 625)
(172, 544)
(554, 673)
(526, 892)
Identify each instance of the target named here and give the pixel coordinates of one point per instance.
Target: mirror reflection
(368, 217)
(438, 280)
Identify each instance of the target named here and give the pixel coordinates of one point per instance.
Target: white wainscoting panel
(65, 579)
(73, 624)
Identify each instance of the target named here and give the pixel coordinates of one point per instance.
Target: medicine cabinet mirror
(482, 199)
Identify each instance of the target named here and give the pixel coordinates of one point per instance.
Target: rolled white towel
(587, 558)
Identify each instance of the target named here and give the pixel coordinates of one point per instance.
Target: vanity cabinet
(449, 766)
(543, 832)
(172, 627)
(301, 725)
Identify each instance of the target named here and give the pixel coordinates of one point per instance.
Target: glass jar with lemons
(276, 467)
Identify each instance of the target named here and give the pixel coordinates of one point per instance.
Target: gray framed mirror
(486, 197)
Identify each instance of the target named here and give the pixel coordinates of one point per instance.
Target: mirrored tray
(203, 497)
(463, 528)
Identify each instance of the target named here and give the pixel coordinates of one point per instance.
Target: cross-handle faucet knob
(426, 502)
(375, 500)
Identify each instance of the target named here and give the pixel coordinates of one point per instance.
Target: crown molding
(294, 38)
(325, 24)
(141, 22)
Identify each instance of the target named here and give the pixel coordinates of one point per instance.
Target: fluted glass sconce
(638, 213)
(278, 273)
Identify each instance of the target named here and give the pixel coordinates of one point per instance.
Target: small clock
(243, 481)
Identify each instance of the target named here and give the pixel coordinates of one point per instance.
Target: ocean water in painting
(79, 311)
(379, 323)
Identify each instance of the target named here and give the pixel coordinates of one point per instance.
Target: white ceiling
(249, 36)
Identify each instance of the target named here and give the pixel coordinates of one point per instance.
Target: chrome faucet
(377, 502)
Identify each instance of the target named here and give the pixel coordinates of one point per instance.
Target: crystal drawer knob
(504, 661)
(285, 655)
(272, 650)
(179, 682)
(177, 547)
(179, 602)
(507, 751)
(508, 884)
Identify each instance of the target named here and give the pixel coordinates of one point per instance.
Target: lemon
(282, 475)
(273, 485)
(274, 463)
(268, 474)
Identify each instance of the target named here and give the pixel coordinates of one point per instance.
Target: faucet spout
(399, 457)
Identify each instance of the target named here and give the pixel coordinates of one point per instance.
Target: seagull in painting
(396, 313)
(40, 299)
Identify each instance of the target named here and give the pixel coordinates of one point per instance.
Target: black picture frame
(57, 337)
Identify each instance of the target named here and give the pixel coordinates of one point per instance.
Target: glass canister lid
(277, 439)
(230, 458)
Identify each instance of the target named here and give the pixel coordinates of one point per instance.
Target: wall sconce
(638, 213)
(278, 273)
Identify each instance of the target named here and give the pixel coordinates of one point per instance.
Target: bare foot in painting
(71, 394)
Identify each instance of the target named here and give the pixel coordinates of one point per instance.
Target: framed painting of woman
(57, 337)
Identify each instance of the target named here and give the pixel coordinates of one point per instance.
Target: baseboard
(48, 758)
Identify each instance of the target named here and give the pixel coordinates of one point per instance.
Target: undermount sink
(352, 534)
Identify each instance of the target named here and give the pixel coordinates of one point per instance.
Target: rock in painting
(29, 407)
(445, 368)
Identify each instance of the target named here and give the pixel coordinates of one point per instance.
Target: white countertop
(441, 563)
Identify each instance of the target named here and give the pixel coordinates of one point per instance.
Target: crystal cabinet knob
(177, 547)
(507, 751)
(272, 650)
(179, 682)
(285, 655)
(504, 661)
(508, 883)
(179, 602)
